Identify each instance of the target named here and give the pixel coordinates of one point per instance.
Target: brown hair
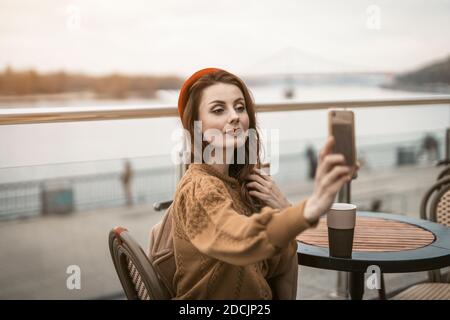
(191, 114)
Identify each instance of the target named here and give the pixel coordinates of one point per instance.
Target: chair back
(444, 173)
(435, 204)
(435, 207)
(139, 279)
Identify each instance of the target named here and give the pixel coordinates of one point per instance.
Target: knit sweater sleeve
(216, 229)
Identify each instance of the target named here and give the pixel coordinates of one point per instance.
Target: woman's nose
(234, 117)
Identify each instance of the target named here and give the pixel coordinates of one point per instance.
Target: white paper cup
(341, 220)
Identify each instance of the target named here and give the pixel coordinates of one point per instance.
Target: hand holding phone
(331, 175)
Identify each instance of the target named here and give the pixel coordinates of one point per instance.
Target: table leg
(356, 285)
(382, 291)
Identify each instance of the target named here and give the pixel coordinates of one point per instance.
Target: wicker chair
(437, 199)
(439, 208)
(136, 274)
(444, 173)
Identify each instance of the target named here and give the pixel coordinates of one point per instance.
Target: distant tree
(115, 86)
(437, 72)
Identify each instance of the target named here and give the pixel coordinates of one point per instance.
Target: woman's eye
(241, 108)
(217, 111)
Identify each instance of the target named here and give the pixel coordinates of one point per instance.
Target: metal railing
(27, 198)
(11, 118)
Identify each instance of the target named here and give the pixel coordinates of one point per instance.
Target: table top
(374, 235)
(395, 243)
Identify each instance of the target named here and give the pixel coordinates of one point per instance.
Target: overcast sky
(243, 36)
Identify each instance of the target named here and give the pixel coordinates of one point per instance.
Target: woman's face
(222, 107)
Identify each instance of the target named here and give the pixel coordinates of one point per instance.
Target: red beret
(183, 98)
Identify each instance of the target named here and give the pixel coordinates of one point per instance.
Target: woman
(233, 230)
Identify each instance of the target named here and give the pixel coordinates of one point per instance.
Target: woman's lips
(233, 132)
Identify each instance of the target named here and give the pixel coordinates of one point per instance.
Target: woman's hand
(331, 175)
(264, 188)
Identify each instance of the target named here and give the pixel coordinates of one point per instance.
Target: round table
(394, 243)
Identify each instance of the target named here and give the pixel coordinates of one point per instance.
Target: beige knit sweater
(225, 251)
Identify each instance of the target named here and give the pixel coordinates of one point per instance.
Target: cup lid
(343, 206)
